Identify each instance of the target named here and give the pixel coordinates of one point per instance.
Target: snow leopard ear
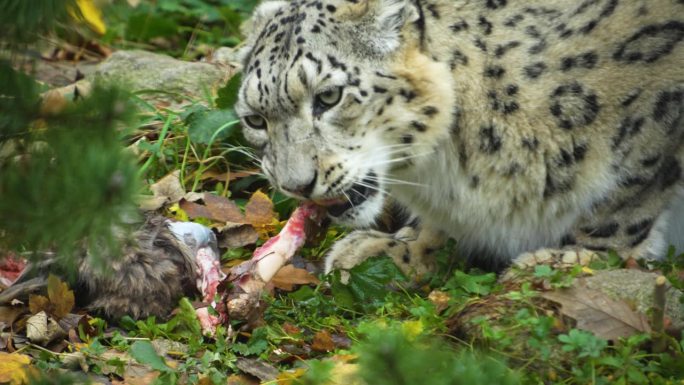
(261, 15)
(386, 18)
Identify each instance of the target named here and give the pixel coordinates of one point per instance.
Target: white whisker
(386, 180)
(396, 160)
(368, 186)
(348, 198)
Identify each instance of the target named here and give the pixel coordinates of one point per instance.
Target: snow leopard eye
(256, 122)
(327, 99)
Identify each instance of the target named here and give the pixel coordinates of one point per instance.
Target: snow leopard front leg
(411, 248)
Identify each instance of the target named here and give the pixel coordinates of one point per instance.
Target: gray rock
(140, 70)
(226, 55)
(636, 288)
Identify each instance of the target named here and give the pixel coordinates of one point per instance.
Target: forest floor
(579, 325)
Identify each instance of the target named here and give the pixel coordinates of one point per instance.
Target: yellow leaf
(61, 298)
(92, 16)
(587, 270)
(13, 368)
(287, 378)
(178, 213)
(344, 374)
(412, 329)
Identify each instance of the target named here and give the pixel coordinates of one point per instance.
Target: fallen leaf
(257, 368)
(413, 329)
(291, 329)
(237, 235)
(227, 176)
(5, 339)
(59, 301)
(91, 15)
(42, 329)
(440, 299)
(75, 361)
(288, 276)
(146, 379)
(70, 321)
(169, 187)
(13, 368)
(323, 342)
(632, 263)
(38, 303)
(9, 314)
(168, 347)
(259, 210)
(223, 209)
(596, 312)
(61, 298)
(341, 341)
(288, 377)
(344, 373)
(131, 369)
(215, 208)
(150, 203)
(194, 210)
(241, 379)
(193, 196)
(53, 103)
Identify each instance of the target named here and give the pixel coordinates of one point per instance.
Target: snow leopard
(526, 131)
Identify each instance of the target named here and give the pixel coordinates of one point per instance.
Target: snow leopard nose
(303, 190)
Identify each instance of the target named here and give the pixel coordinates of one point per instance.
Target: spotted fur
(507, 125)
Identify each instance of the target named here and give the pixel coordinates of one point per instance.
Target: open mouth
(355, 195)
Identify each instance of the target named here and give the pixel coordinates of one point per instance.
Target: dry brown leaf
(215, 208)
(223, 209)
(241, 379)
(259, 210)
(323, 342)
(61, 298)
(257, 368)
(288, 276)
(70, 321)
(227, 176)
(291, 329)
(596, 312)
(9, 314)
(632, 263)
(341, 341)
(194, 210)
(237, 236)
(440, 299)
(146, 379)
(38, 303)
(169, 187)
(59, 301)
(53, 103)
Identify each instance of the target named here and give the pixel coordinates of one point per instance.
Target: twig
(659, 340)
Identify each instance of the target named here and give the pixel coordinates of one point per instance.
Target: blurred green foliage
(175, 25)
